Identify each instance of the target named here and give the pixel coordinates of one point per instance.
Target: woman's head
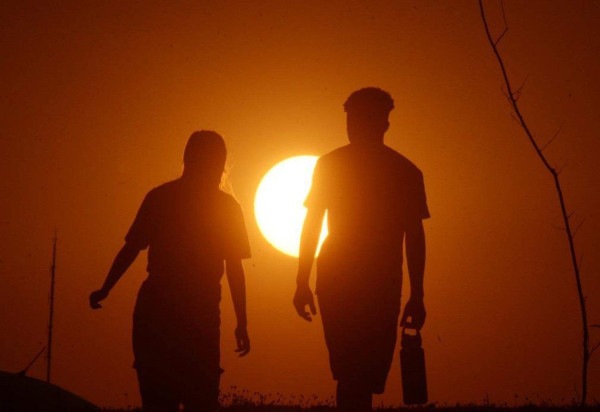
(204, 157)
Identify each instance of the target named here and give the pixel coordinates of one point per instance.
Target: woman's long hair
(204, 157)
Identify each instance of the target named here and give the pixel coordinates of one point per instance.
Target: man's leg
(202, 395)
(353, 397)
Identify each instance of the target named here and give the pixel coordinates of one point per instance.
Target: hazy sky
(99, 97)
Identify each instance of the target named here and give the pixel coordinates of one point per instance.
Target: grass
(239, 400)
(456, 408)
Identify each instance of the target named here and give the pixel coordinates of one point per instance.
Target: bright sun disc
(279, 203)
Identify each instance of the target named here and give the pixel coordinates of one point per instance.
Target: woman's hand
(96, 297)
(242, 340)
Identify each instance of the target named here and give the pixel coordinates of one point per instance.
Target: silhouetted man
(374, 198)
(194, 232)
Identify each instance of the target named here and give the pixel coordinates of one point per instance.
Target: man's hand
(96, 297)
(414, 314)
(242, 340)
(302, 298)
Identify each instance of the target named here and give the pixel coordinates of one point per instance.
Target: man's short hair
(369, 99)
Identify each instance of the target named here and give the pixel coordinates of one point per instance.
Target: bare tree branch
(513, 99)
(561, 168)
(553, 138)
(517, 93)
(499, 38)
(594, 348)
(577, 230)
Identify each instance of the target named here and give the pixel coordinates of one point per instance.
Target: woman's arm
(237, 286)
(122, 261)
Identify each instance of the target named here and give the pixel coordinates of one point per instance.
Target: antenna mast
(50, 322)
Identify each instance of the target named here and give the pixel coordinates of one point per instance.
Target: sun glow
(279, 203)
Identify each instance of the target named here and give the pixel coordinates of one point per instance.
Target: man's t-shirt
(371, 194)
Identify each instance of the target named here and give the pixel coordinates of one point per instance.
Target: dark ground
(428, 408)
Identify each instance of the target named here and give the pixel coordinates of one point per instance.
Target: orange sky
(98, 99)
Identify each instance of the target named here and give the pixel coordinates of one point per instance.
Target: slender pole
(51, 321)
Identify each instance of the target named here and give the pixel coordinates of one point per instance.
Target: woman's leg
(156, 395)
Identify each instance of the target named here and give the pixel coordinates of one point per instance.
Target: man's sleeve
(139, 232)
(316, 197)
(418, 205)
(422, 199)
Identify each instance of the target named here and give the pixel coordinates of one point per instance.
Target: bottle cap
(411, 338)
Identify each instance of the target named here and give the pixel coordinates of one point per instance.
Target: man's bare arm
(309, 240)
(415, 259)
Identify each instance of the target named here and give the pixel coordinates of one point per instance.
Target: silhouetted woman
(194, 233)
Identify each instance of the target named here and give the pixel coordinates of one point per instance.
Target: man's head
(367, 112)
(204, 157)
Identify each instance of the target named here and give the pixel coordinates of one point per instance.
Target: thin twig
(501, 36)
(551, 139)
(594, 348)
(577, 230)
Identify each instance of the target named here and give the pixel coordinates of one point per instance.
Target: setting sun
(278, 205)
